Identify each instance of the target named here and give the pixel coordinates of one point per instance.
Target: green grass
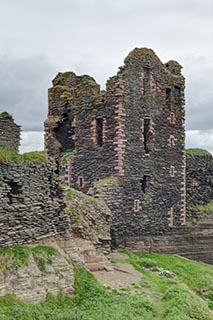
(36, 158)
(16, 257)
(196, 152)
(43, 255)
(188, 296)
(67, 156)
(108, 180)
(206, 209)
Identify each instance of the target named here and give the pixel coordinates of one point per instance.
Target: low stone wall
(193, 242)
(31, 203)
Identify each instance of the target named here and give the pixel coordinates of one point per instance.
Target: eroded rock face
(32, 284)
(86, 243)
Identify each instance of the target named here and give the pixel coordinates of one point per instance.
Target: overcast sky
(39, 38)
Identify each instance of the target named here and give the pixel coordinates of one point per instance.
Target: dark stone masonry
(9, 132)
(31, 203)
(199, 180)
(132, 132)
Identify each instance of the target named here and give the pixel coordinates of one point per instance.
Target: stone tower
(127, 142)
(9, 132)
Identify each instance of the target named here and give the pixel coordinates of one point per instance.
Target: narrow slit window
(146, 133)
(143, 183)
(99, 125)
(172, 118)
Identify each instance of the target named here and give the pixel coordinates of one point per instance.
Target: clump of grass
(196, 152)
(67, 156)
(206, 209)
(43, 255)
(14, 257)
(108, 180)
(35, 158)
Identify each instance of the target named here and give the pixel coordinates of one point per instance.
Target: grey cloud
(41, 38)
(200, 139)
(199, 93)
(23, 89)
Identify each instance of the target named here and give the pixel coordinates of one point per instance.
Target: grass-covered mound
(187, 295)
(88, 216)
(196, 152)
(36, 158)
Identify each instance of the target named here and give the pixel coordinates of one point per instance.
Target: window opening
(172, 118)
(99, 123)
(143, 183)
(177, 92)
(146, 134)
(80, 182)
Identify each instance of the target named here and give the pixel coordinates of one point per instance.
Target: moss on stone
(4, 115)
(108, 181)
(88, 215)
(205, 209)
(67, 156)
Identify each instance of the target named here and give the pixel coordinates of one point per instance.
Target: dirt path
(122, 275)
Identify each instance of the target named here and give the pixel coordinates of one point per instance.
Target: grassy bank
(187, 293)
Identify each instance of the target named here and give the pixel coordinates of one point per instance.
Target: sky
(39, 38)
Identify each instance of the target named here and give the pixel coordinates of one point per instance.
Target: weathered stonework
(133, 131)
(31, 203)
(9, 132)
(199, 180)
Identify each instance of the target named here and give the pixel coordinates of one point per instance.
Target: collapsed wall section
(31, 203)
(9, 132)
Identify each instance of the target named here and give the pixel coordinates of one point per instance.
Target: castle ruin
(127, 142)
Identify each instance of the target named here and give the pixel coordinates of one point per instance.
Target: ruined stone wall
(31, 203)
(199, 179)
(191, 241)
(151, 149)
(133, 131)
(85, 104)
(9, 132)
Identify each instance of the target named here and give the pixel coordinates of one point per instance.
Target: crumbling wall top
(9, 132)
